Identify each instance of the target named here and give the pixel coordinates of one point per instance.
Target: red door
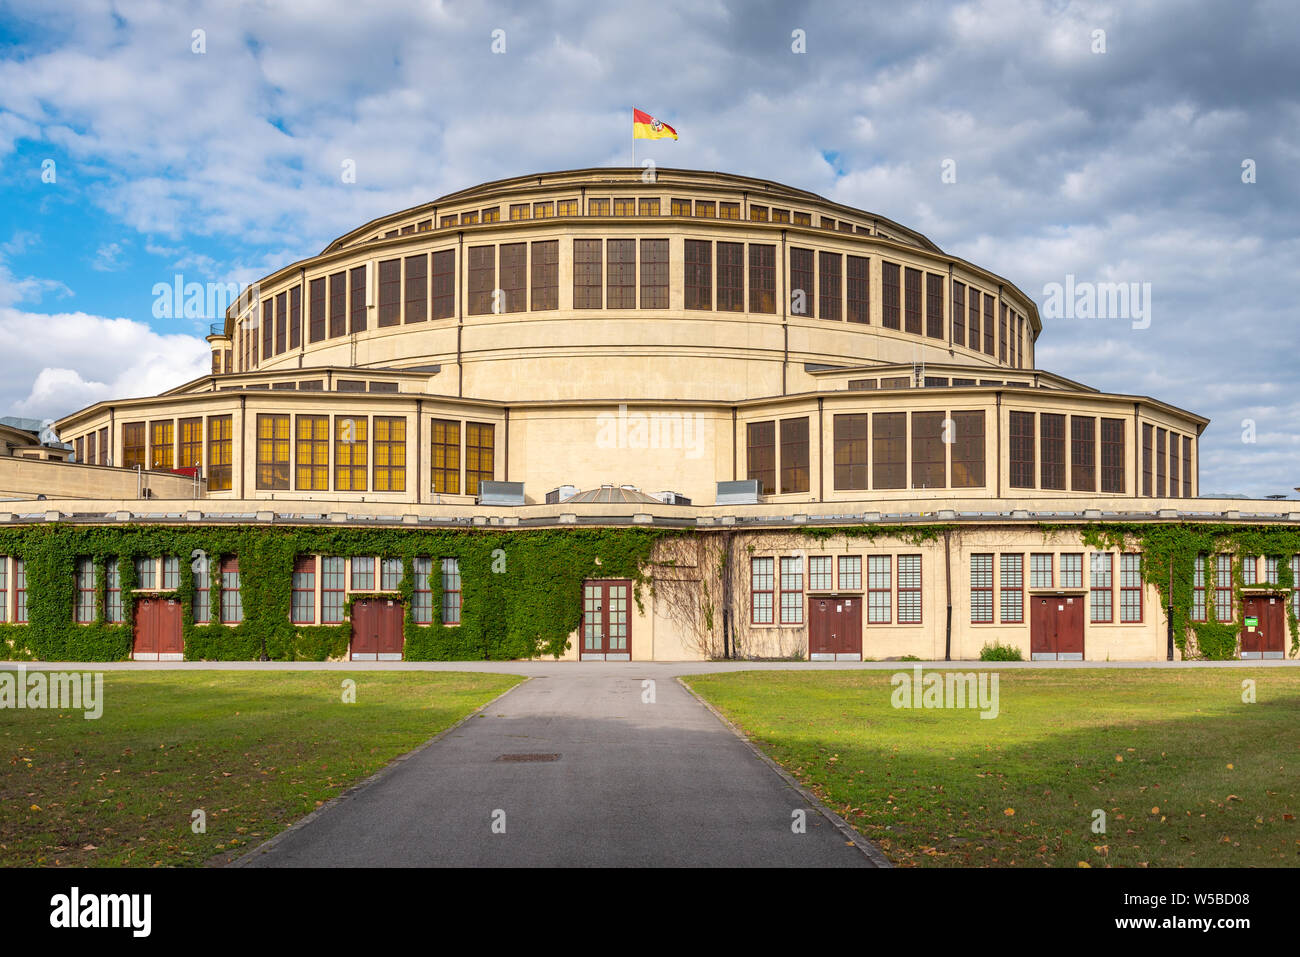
(1263, 627)
(606, 630)
(377, 629)
(158, 635)
(834, 629)
(1056, 628)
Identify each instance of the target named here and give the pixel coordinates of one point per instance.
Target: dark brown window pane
(968, 449)
(859, 288)
(731, 277)
(794, 455)
(699, 274)
(934, 306)
(828, 284)
(281, 322)
(1112, 455)
(514, 277)
(357, 294)
(654, 272)
(338, 304)
(1147, 443)
(912, 304)
(444, 284)
(417, 288)
(988, 325)
(620, 276)
(482, 262)
(762, 278)
(1083, 466)
(295, 317)
(1051, 443)
(959, 313)
(1187, 469)
(133, 445)
(162, 445)
(390, 292)
(1021, 448)
(546, 275)
(1002, 339)
(889, 450)
(1160, 463)
(1174, 484)
(890, 295)
(850, 451)
(316, 306)
(973, 314)
(268, 329)
(802, 294)
(760, 456)
(587, 278)
(928, 450)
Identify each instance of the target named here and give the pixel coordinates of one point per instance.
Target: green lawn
(254, 750)
(1186, 773)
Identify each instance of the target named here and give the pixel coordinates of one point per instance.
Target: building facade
(832, 434)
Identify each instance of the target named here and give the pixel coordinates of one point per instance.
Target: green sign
(1252, 622)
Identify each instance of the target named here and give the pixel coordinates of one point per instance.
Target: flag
(646, 127)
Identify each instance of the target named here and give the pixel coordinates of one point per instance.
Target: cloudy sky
(133, 150)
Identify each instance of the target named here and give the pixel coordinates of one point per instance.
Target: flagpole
(634, 137)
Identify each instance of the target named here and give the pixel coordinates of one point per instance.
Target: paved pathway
(635, 784)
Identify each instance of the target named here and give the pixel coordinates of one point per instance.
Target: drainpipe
(785, 317)
(1169, 617)
(947, 576)
(821, 452)
(726, 595)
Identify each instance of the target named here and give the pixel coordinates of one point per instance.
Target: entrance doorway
(158, 635)
(1263, 626)
(1056, 628)
(835, 629)
(377, 629)
(606, 628)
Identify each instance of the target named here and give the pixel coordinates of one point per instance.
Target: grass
(1185, 772)
(254, 750)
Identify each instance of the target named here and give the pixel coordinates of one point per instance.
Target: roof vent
(501, 493)
(742, 492)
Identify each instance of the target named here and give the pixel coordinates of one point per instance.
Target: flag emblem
(647, 127)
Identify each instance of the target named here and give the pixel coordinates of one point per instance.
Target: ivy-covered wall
(521, 591)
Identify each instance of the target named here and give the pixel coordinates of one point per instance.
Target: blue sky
(1115, 166)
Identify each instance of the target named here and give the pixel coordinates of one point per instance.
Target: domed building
(836, 430)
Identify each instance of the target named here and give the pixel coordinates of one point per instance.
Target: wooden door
(170, 638)
(1069, 628)
(146, 630)
(835, 629)
(389, 636)
(850, 633)
(365, 630)
(606, 630)
(821, 625)
(1263, 627)
(1056, 628)
(1252, 627)
(1042, 629)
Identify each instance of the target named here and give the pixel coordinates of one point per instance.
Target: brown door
(821, 626)
(1069, 628)
(1056, 628)
(146, 630)
(606, 630)
(835, 629)
(171, 641)
(1042, 629)
(1263, 627)
(365, 630)
(158, 630)
(389, 635)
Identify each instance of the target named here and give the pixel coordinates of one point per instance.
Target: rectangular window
(146, 574)
(281, 322)
(357, 299)
(1130, 587)
(762, 278)
(761, 584)
(106, 454)
(889, 450)
(1174, 484)
(704, 209)
(780, 215)
(620, 277)
(909, 589)
(451, 594)
(1198, 588)
(332, 593)
(312, 470)
(171, 573)
(444, 284)
(912, 300)
(85, 577)
(959, 313)
(654, 274)
(295, 317)
(492, 215)
(858, 298)
(1295, 584)
(1250, 569)
(803, 219)
(469, 218)
(758, 214)
(1002, 337)
(1112, 455)
(1101, 574)
(543, 210)
(760, 456)
(232, 600)
(272, 451)
(363, 574)
(794, 455)
(417, 288)
(566, 207)
(422, 592)
(4, 588)
(967, 449)
(802, 298)
(1161, 486)
(162, 445)
(731, 277)
(351, 443)
(304, 591)
(791, 591)
(988, 325)
(191, 443)
(850, 572)
(624, 207)
(648, 207)
(518, 211)
(201, 606)
(268, 328)
(681, 207)
(1072, 570)
(316, 310)
(390, 453)
(587, 278)
(546, 275)
(1021, 442)
(449, 220)
(338, 304)
(1083, 464)
(479, 455)
(446, 456)
(113, 593)
(20, 591)
(391, 571)
(934, 306)
(828, 284)
(1187, 466)
(1223, 611)
(850, 451)
(699, 274)
(880, 610)
(820, 572)
(973, 319)
(929, 451)
(1052, 442)
(514, 277)
(597, 207)
(1013, 589)
(1040, 570)
(219, 453)
(728, 211)
(891, 298)
(1148, 438)
(482, 279)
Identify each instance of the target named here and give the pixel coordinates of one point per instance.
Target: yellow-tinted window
(350, 447)
(390, 454)
(758, 214)
(273, 451)
(313, 453)
(729, 211)
(519, 211)
(649, 207)
(624, 207)
(543, 210)
(566, 207)
(597, 207)
(446, 456)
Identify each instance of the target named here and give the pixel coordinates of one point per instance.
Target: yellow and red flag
(646, 127)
